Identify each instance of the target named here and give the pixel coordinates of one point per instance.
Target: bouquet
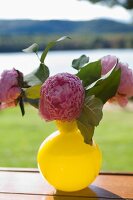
(75, 102)
(65, 96)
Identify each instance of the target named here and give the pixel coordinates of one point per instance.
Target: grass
(115, 138)
(20, 138)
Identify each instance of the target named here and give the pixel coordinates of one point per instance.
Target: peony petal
(108, 62)
(7, 105)
(62, 97)
(9, 86)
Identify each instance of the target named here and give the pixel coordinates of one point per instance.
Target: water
(59, 61)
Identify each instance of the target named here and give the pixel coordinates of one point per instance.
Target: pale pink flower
(108, 62)
(126, 82)
(62, 97)
(9, 88)
(125, 89)
(120, 99)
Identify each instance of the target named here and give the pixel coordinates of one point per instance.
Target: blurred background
(97, 28)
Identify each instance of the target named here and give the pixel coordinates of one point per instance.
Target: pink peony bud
(62, 97)
(9, 88)
(125, 89)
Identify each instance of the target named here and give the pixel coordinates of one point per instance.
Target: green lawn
(20, 138)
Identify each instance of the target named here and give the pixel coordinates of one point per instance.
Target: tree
(128, 4)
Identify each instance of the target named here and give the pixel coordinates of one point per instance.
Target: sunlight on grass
(115, 136)
(20, 138)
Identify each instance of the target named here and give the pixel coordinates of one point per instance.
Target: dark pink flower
(62, 97)
(9, 88)
(125, 89)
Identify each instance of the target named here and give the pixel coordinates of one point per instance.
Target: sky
(59, 9)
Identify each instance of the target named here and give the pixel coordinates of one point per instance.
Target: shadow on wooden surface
(90, 193)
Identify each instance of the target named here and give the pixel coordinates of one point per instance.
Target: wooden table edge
(99, 187)
(35, 170)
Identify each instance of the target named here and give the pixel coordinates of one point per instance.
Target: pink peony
(108, 62)
(120, 99)
(62, 97)
(9, 88)
(125, 89)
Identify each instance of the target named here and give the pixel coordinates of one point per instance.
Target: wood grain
(28, 184)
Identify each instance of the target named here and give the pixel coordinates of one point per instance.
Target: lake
(59, 61)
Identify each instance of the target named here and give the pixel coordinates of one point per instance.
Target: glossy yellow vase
(65, 161)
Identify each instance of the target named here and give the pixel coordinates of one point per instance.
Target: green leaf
(90, 117)
(106, 87)
(33, 48)
(49, 46)
(86, 131)
(90, 73)
(31, 79)
(92, 110)
(38, 76)
(33, 102)
(21, 104)
(42, 73)
(80, 62)
(33, 92)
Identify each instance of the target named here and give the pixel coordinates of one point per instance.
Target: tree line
(86, 41)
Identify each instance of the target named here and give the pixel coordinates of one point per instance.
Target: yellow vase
(65, 161)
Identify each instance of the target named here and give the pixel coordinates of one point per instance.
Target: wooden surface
(27, 184)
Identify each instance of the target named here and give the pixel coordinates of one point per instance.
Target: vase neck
(66, 127)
